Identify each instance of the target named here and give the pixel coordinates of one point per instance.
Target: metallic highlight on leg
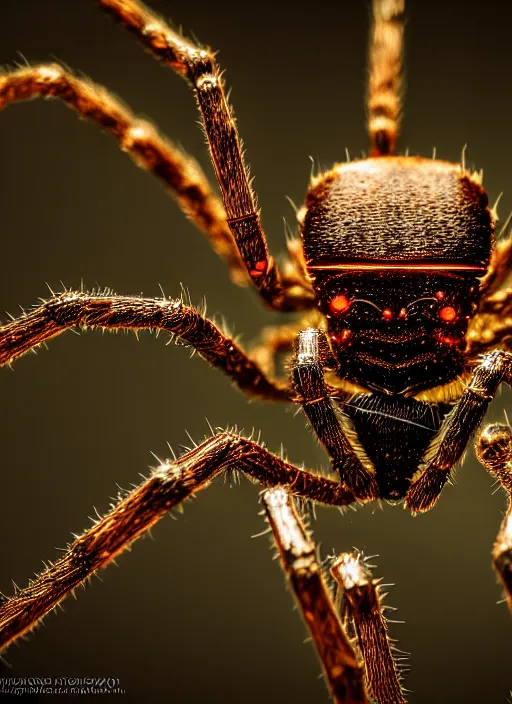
(341, 666)
(363, 606)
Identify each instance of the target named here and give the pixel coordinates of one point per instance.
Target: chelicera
(401, 349)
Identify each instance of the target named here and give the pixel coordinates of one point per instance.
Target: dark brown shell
(397, 209)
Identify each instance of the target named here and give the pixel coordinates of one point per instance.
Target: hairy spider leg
(311, 350)
(343, 671)
(494, 450)
(274, 341)
(362, 604)
(492, 325)
(501, 260)
(385, 80)
(180, 174)
(362, 609)
(457, 429)
(72, 309)
(136, 511)
(200, 69)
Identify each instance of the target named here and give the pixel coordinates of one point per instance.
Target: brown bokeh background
(200, 612)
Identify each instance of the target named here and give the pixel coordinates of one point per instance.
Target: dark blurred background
(200, 612)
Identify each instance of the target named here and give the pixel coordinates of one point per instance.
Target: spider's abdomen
(395, 433)
(396, 248)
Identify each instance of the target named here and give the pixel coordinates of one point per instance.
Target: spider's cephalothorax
(396, 248)
(398, 267)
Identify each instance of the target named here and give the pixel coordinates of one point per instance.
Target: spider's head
(396, 248)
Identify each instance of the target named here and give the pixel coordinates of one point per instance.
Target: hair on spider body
(405, 341)
(396, 249)
(402, 243)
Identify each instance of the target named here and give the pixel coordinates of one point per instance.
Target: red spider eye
(448, 314)
(339, 304)
(440, 295)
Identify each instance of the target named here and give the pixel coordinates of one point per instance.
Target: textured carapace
(406, 339)
(396, 248)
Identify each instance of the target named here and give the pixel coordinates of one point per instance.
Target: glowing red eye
(387, 314)
(339, 304)
(448, 314)
(440, 295)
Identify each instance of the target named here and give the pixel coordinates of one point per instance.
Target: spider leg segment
(199, 67)
(494, 450)
(342, 664)
(339, 660)
(386, 49)
(135, 512)
(274, 341)
(492, 325)
(457, 429)
(180, 174)
(64, 311)
(501, 261)
(362, 602)
(308, 376)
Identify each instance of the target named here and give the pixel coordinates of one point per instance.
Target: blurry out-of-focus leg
(494, 450)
